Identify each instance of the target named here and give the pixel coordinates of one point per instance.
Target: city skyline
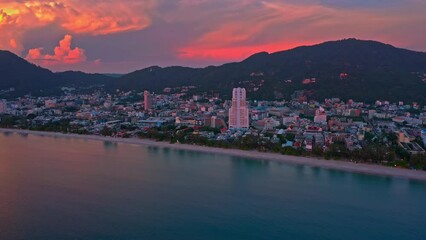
(89, 36)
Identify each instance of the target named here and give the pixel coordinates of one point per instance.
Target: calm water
(59, 188)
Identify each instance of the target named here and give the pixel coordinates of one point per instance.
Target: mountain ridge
(27, 78)
(372, 70)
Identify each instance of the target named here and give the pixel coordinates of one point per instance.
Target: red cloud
(63, 54)
(94, 17)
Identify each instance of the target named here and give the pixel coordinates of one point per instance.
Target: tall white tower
(239, 113)
(147, 98)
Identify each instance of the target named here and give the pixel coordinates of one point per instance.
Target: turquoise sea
(62, 188)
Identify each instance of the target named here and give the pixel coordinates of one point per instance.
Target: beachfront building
(147, 98)
(239, 113)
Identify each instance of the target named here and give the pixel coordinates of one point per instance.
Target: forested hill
(26, 78)
(350, 68)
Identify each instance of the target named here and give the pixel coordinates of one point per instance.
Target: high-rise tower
(147, 98)
(239, 113)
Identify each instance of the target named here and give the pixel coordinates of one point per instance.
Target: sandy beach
(314, 162)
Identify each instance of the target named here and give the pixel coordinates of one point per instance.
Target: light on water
(63, 188)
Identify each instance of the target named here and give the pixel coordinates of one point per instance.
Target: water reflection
(417, 183)
(166, 151)
(189, 154)
(7, 134)
(368, 179)
(300, 170)
(50, 192)
(246, 167)
(336, 174)
(248, 163)
(247, 173)
(153, 149)
(23, 135)
(316, 172)
(108, 145)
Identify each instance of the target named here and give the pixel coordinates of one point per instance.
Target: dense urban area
(382, 132)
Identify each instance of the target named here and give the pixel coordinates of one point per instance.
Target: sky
(120, 36)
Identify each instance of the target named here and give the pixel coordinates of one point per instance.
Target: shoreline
(363, 168)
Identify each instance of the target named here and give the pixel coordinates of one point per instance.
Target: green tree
(106, 131)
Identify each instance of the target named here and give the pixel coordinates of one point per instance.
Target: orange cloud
(13, 44)
(108, 18)
(44, 12)
(93, 17)
(7, 35)
(63, 54)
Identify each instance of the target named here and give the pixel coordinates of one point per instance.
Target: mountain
(21, 75)
(81, 79)
(24, 77)
(349, 69)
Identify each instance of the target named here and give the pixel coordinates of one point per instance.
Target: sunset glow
(195, 33)
(235, 53)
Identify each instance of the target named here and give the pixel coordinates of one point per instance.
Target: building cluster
(302, 124)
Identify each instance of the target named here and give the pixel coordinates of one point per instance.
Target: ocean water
(61, 188)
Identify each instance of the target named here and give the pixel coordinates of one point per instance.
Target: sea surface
(63, 188)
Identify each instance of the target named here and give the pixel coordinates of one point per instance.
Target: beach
(348, 166)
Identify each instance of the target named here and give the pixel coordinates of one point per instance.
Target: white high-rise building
(147, 98)
(239, 113)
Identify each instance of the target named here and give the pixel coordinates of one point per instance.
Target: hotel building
(239, 113)
(147, 98)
